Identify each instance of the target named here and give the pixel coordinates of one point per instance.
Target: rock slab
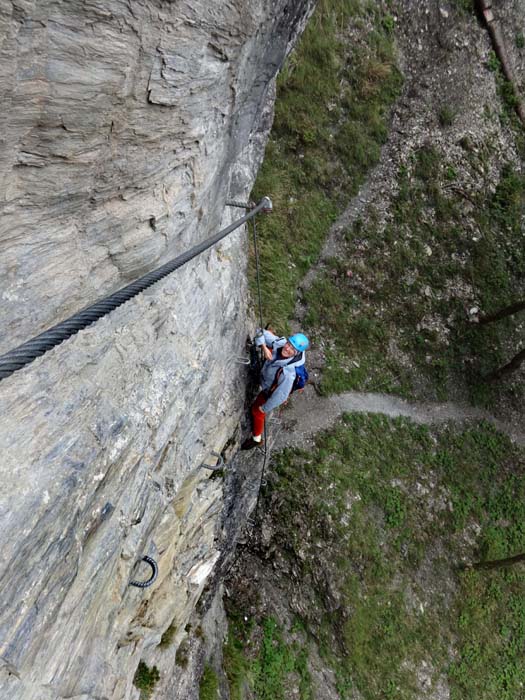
(125, 126)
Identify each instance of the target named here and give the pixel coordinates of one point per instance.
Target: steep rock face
(120, 124)
(125, 126)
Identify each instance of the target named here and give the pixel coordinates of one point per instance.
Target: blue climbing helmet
(299, 341)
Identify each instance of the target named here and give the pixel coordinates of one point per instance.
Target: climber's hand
(266, 352)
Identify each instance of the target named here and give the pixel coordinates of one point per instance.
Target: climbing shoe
(250, 443)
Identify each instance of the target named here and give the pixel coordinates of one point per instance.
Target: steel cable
(27, 352)
(153, 577)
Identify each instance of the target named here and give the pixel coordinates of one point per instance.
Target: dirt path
(309, 413)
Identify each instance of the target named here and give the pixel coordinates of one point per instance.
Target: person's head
(295, 344)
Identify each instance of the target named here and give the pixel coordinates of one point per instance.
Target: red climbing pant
(258, 416)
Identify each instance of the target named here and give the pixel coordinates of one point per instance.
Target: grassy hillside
(396, 304)
(369, 534)
(397, 309)
(331, 114)
(355, 585)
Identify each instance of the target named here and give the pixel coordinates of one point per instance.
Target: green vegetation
(395, 308)
(168, 635)
(509, 99)
(464, 6)
(387, 510)
(209, 684)
(182, 655)
(393, 311)
(236, 664)
(330, 122)
(272, 666)
(385, 513)
(354, 493)
(446, 116)
(493, 63)
(492, 632)
(270, 669)
(145, 679)
(489, 490)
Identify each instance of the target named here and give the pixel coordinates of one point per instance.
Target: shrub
(145, 679)
(446, 116)
(167, 637)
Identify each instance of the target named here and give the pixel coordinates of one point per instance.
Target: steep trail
(307, 414)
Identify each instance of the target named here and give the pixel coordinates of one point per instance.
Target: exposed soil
(310, 413)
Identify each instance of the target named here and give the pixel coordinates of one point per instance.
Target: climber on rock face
(282, 373)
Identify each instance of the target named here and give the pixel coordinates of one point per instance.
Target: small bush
(167, 637)
(145, 679)
(388, 23)
(446, 116)
(236, 664)
(508, 94)
(275, 662)
(182, 655)
(493, 63)
(428, 162)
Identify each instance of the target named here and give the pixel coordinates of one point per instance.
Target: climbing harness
(301, 376)
(152, 578)
(27, 352)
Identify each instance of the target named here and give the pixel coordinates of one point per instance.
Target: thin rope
(40, 344)
(259, 296)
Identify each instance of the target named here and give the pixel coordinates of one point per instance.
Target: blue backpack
(301, 377)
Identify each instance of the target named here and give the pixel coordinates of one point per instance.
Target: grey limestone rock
(125, 125)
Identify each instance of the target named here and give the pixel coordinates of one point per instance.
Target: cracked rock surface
(125, 126)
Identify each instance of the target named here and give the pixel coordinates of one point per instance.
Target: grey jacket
(271, 367)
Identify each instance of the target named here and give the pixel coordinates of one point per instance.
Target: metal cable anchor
(152, 578)
(219, 465)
